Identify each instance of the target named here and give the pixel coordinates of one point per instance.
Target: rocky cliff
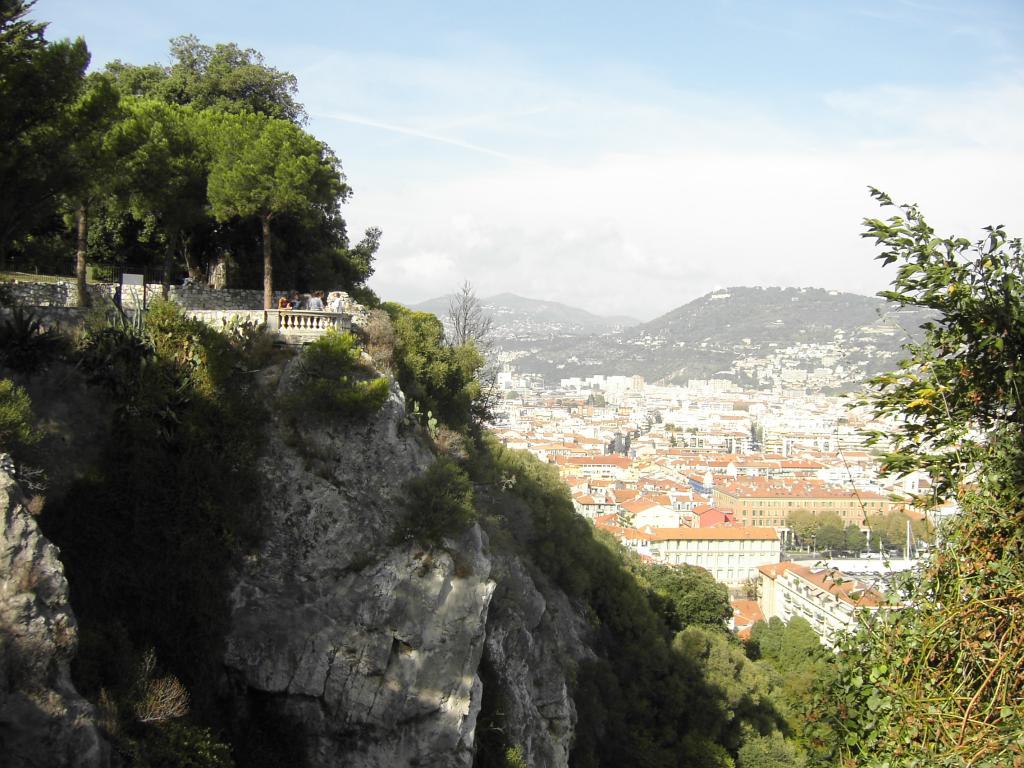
(355, 643)
(44, 723)
(370, 646)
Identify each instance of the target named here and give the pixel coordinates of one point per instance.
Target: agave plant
(25, 344)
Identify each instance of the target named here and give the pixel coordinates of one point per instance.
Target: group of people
(313, 302)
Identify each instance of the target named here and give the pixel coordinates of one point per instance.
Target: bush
(179, 744)
(327, 382)
(683, 595)
(251, 340)
(16, 419)
(440, 502)
(440, 378)
(380, 340)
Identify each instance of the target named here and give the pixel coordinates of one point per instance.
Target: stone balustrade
(293, 326)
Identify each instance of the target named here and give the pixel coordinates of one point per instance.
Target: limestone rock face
(367, 645)
(43, 719)
(534, 636)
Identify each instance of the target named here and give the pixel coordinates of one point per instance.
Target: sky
(627, 158)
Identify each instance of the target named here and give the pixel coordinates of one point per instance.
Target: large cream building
(732, 554)
(829, 601)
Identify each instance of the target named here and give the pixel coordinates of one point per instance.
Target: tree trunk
(192, 267)
(82, 219)
(172, 243)
(268, 264)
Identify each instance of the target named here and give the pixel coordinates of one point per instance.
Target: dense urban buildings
(716, 476)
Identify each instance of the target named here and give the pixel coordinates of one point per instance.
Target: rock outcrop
(534, 638)
(44, 722)
(367, 644)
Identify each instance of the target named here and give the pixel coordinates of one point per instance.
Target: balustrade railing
(303, 321)
(295, 326)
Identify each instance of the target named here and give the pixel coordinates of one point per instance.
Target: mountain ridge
(735, 333)
(520, 317)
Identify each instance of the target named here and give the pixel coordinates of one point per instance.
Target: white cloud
(642, 234)
(635, 202)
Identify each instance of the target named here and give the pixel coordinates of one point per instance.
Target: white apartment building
(827, 599)
(731, 554)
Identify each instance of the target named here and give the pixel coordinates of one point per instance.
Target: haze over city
(629, 160)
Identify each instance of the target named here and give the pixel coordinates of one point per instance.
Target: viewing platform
(292, 326)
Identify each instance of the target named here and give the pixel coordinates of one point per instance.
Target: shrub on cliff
(329, 381)
(440, 378)
(16, 420)
(440, 502)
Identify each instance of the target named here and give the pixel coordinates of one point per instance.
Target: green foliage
(440, 502)
(771, 751)
(798, 665)
(221, 77)
(40, 83)
(178, 744)
(514, 758)
(25, 345)
(806, 525)
(251, 340)
(938, 683)
(967, 377)
(327, 382)
(263, 166)
(743, 688)
(148, 534)
(163, 170)
(683, 595)
(16, 419)
(138, 157)
(442, 379)
(891, 530)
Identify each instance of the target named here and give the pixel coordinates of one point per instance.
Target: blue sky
(627, 158)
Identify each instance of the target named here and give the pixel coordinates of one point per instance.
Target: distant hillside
(518, 319)
(746, 334)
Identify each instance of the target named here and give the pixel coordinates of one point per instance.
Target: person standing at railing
(316, 302)
(283, 303)
(295, 302)
(335, 302)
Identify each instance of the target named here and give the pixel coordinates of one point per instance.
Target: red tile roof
(730, 533)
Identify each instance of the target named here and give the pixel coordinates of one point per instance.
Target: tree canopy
(264, 167)
(169, 168)
(40, 82)
(222, 77)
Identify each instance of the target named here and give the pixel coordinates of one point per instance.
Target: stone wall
(64, 294)
(60, 295)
